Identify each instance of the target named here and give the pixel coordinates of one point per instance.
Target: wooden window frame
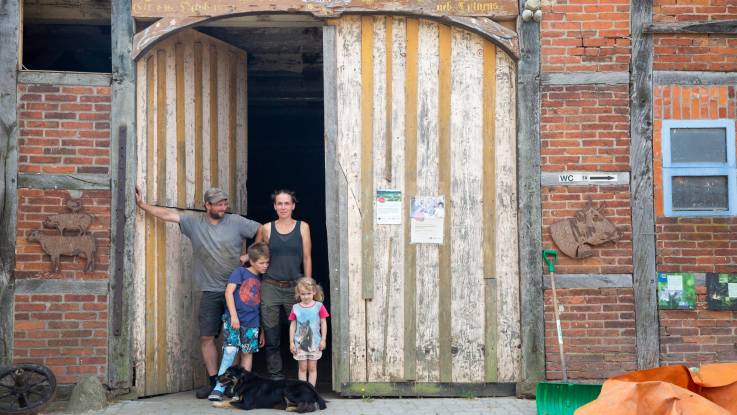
(728, 169)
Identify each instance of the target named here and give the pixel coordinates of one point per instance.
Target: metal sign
(579, 178)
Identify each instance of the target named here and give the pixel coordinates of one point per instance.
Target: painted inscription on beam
(502, 9)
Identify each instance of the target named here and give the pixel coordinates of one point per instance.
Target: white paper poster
(427, 216)
(388, 207)
(675, 283)
(732, 289)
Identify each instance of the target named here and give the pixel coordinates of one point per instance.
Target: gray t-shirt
(216, 248)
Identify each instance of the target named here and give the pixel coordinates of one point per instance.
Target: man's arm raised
(167, 214)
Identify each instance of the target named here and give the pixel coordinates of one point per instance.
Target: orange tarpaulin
(670, 390)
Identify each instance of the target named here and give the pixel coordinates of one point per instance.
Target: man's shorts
(212, 306)
(303, 355)
(244, 338)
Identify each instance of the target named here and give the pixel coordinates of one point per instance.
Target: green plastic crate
(563, 398)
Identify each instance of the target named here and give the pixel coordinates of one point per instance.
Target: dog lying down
(251, 391)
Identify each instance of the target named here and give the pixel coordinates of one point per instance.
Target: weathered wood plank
(727, 27)
(90, 12)
(410, 189)
(163, 131)
(427, 295)
(71, 181)
(388, 40)
(590, 281)
(349, 139)
(376, 309)
(466, 192)
(489, 207)
(180, 99)
(139, 295)
(199, 124)
(69, 78)
(585, 78)
(508, 289)
(498, 10)
(530, 214)
(10, 19)
(332, 215)
(232, 128)
(367, 156)
(57, 286)
(444, 188)
(641, 162)
(694, 78)
(150, 313)
(189, 95)
(395, 340)
(212, 140)
(223, 104)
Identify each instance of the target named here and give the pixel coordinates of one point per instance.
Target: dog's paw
(222, 404)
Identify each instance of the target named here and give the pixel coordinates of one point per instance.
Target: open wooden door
(191, 117)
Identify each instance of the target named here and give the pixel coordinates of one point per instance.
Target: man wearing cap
(217, 240)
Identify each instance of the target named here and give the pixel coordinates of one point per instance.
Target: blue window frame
(699, 168)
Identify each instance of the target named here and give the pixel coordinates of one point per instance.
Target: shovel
(555, 398)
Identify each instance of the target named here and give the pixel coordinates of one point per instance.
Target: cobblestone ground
(185, 403)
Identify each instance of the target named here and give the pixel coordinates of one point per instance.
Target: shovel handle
(550, 256)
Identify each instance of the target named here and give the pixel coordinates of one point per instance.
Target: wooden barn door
(191, 117)
(429, 110)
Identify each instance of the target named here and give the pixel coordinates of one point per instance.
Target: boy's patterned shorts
(244, 338)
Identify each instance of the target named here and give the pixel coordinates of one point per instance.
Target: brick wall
(695, 337)
(585, 128)
(704, 244)
(34, 205)
(66, 332)
(63, 129)
(562, 202)
(585, 35)
(598, 331)
(694, 52)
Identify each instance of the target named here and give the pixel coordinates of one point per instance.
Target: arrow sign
(603, 178)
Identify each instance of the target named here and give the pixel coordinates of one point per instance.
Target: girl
(308, 329)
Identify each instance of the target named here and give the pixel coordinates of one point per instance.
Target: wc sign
(566, 177)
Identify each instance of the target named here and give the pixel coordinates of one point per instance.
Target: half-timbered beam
(728, 27)
(694, 78)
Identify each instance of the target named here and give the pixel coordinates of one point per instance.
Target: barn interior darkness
(285, 136)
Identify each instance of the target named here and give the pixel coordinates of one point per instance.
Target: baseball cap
(214, 195)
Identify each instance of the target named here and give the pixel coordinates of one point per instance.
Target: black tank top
(286, 254)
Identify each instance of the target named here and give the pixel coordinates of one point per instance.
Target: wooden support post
(641, 187)
(529, 208)
(9, 29)
(123, 164)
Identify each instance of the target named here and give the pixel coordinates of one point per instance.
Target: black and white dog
(251, 391)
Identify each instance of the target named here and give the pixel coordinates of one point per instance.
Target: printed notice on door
(388, 207)
(427, 215)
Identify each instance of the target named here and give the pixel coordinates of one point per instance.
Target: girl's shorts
(244, 338)
(303, 355)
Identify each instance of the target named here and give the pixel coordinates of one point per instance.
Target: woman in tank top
(288, 239)
(290, 247)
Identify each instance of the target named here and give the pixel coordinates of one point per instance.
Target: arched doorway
(411, 105)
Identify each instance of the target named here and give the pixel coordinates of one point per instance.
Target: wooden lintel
(585, 78)
(694, 78)
(60, 286)
(641, 167)
(423, 389)
(590, 281)
(64, 78)
(727, 27)
(90, 12)
(78, 181)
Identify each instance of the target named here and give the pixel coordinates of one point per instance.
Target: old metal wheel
(25, 388)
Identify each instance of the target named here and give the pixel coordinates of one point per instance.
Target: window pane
(700, 193)
(696, 145)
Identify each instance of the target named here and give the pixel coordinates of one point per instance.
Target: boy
(241, 321)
